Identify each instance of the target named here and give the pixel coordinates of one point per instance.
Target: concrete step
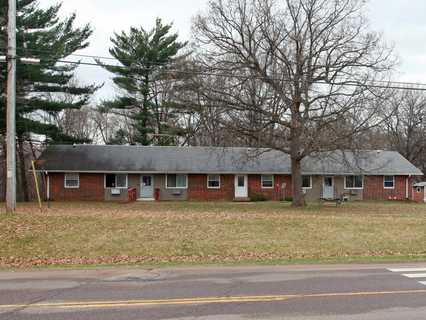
(146, 199)
(242, 199)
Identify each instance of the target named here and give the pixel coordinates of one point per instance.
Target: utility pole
(11, 110)
(11, 59)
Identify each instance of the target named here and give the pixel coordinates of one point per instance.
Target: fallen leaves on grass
(198, 233)
(20, 262)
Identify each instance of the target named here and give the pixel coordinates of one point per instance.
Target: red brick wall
(197, 188)
(275, 193)
(374, 190)
(419, 196)
(91, 188)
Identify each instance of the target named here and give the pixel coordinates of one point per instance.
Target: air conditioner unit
(115, 191)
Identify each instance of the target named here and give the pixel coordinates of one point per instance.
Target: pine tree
(42, 34)
(144, 56)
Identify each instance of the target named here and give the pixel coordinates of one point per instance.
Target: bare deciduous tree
(406, 127)
(78, 123)
(302, 68)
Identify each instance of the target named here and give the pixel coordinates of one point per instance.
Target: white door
(147, 187)
(241, 186)
(328, 188)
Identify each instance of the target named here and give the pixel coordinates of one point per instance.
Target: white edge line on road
(415, 275)
(408, 270)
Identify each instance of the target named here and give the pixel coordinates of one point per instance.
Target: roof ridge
(141, 146)
(208, 147)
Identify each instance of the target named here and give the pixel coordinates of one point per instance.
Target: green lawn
(201, 233)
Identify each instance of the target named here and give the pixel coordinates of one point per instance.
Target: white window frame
(177, 174)
(393, 182)
(208, 180)
(310, 182)
(354, 188)
(65, 181)
(261, 181)
(115, 174)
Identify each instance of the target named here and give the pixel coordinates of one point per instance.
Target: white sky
(402, 22)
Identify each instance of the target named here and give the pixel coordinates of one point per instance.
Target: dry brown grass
(190, 232)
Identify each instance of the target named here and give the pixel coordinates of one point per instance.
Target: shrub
(288, 199)
(258, 197)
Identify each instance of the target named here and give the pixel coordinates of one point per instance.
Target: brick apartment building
(107, 173)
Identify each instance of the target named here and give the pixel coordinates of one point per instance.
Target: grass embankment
(203, 233)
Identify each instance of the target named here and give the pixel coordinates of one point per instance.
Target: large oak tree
(296, 75)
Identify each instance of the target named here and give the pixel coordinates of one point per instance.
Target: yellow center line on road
(202, 300)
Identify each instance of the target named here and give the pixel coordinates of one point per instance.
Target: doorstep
(242, 199)
(146, 199)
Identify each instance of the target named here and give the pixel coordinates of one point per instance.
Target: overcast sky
(402, 22)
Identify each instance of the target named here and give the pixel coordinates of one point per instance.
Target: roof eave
(238, 172)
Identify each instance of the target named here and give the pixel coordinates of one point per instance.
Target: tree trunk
(144, 121)
(296, 183)
(22, 169)
(296, 159)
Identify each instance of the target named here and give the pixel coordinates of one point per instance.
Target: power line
(172, 62)
(378, 84)
(96, 57)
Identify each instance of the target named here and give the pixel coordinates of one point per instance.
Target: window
(72, 180)
(307, 182)
(146, 181)
(267, 181)
(178, 181)
(241, 181)
(213, 181)
(116, 181)
(389, 182)
(354, 182)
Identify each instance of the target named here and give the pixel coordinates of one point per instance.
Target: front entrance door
(328, 188)
(147, 187)
(241, 186)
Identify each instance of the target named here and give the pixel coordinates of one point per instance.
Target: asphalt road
(295, 292)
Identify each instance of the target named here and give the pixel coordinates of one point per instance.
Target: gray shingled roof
(97, 158)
